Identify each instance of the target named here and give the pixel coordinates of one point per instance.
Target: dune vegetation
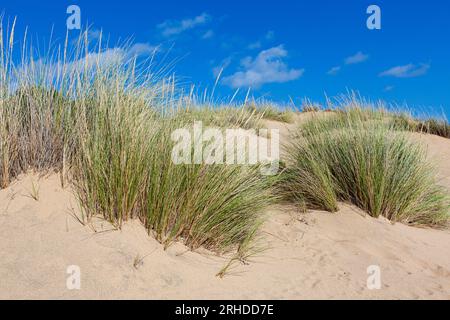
(103, 121)
(105, 126)
(364, 156)
(268, 111)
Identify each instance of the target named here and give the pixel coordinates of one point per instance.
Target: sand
(307, 256)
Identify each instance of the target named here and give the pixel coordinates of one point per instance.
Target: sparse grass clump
(270, 112)
(439, 127)
(359, 157)
(355, 110)
(220, 116)
(309, 106)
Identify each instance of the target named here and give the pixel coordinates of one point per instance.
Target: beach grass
(360, 155)
(104, 121)
(269, 111)
(105, 125)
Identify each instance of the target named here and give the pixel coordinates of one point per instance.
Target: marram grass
(105, 126)
(127, 172)
(359, 156)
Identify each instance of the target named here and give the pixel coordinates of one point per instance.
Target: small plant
(269, 111)
(138, 261)
(309, 106)
(439, 127)
(34, 192)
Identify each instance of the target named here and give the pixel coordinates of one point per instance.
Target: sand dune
(314, 255)
(306, 256)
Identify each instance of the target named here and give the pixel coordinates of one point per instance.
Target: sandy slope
(314, 255)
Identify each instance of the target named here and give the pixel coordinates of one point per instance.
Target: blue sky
(281, 49)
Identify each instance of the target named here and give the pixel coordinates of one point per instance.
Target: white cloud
(112, 56)
(357, 58)
(223, 65)
(388, 88)
(254, 45)
(406, 71)
(141, 49)
(270, 35)
(267, 67)
(208, 34)
(106, 58)
(333, 71)
(173, 27)
(94, 34)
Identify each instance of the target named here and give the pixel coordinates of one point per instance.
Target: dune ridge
(307, 255)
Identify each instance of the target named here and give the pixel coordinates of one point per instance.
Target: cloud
(223, 65)
(141, 49)
(388, 88)
(270, 35)
(357, 58)
(112, 56)
(406, 71)
(208, 34)
(174, 27)
(267, 67)
(254, 45)
(106, 58)
(333, 71)
(94, 34)
(93, 37)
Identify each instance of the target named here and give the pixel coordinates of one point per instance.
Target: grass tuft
(359, 156)
(270, 111)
